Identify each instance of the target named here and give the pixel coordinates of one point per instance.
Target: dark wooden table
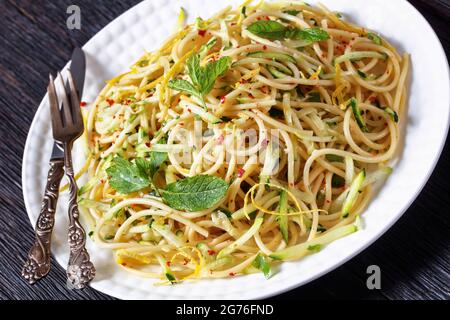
(34, 40)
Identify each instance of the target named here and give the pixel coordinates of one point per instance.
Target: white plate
(145, 26)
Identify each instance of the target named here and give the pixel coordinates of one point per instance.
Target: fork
(67, 127)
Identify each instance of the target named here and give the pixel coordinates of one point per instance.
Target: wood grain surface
(413, 255)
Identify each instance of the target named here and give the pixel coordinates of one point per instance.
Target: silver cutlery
(67, 127)
(38, 261)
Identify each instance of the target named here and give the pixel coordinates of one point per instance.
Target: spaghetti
(248, 138)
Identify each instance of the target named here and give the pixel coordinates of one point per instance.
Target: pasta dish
(247, 139)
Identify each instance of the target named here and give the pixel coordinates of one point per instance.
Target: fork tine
(75, 102)
(65, 103)
(54, 109)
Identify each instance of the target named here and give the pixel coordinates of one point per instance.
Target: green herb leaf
(183, 85)
(211, 72)
(195, 193)
(194, 69)
(310, 35)
(261, 263)
(268, 29)
(127, 177)
(375, 38)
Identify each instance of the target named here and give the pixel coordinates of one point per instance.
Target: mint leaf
(203, 78)
(195, 193)
(183, 85)
(309, 35)
(127, 177)
(211, 72)
(268, 29)
(274, 30)
(194, 69)
(261, 263)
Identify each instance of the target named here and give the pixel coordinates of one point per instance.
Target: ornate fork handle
(39, 257)
(80, 270)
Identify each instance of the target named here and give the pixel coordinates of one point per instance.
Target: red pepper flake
(220, 139)
(110, 102)
(186, 261)
(181, 123)
(222, 99)
(168, 263)
(233, 24)
(267, 18)
(243, 81)
(124, 264)
(189, 110)
(264, 47)
(102, 181)
(148, 144)
(328, 201)
(232, 274)
(83, 104)
(238, 46)
(240, 172)
(263, 89)
(211, 252)
(259, 18)
(201, 33)
(251, 96)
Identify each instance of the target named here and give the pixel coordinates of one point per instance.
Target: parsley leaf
(195, 193)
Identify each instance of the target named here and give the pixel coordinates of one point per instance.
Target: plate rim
(342, 261)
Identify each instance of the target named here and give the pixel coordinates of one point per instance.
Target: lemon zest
(260, 208)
